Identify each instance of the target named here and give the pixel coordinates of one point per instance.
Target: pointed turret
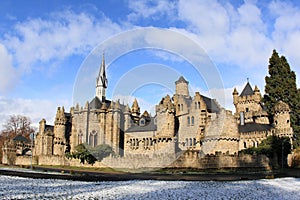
(101, 82)
(135, 107)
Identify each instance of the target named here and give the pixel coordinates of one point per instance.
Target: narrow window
(188, 120)
(242, 118)
(193, 121)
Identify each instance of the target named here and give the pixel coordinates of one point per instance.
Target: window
(142, 122)
(193, 121)
(93, 139)
(188, 120)
(245, 145)
(247, 109)
(181, 106)
(242, 118)
(197, 105)
(80, 137)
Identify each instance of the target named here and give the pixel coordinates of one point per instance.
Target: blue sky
(45, 46)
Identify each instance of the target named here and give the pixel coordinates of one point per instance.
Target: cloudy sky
(46, 47)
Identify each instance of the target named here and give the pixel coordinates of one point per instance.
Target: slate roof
(21, 138)
(150, 127)
(181, 80)
(247, 90)
(252, 127)
(211, 104)
(95, 103)
(49, 127)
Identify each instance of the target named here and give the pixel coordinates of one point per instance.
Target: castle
(181, 122)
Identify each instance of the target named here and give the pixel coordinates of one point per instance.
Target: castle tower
(127, 118)
(101, 82)
(102, 119)
(59, 132)
(116, 128)
(135, 110)
(165, 118)
(182, 87)
(282, 119)
(247, 104)
(42, 126)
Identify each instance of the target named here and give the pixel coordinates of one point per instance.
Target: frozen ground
(25, 188)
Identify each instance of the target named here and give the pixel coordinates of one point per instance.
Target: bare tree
(17, 125)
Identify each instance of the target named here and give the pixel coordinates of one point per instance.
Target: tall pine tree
(281, 85)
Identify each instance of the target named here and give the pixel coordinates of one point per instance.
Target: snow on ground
(26, 188)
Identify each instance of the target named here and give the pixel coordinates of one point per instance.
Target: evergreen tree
(281, 85)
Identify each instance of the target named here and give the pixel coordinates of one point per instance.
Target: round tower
(182, 87)
(59, 132)
(282, 115)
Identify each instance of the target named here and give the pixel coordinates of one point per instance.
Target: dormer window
(142, 122)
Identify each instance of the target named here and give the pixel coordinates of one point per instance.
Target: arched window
(193, 120)
(196, 105)
(181, 106)
(188, 120)
(178, 107)
(191, 142)
(93, 139)
(195, 142)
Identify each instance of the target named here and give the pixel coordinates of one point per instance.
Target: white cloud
(286, 33)
(8, 74)
(36, 109)
(230, 35)
(150, 9)
(61, 35)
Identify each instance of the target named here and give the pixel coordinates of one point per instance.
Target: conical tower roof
(247, 90)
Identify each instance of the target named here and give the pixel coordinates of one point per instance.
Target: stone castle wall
(191, 159)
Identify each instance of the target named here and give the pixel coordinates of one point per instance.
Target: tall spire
(101, 81)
